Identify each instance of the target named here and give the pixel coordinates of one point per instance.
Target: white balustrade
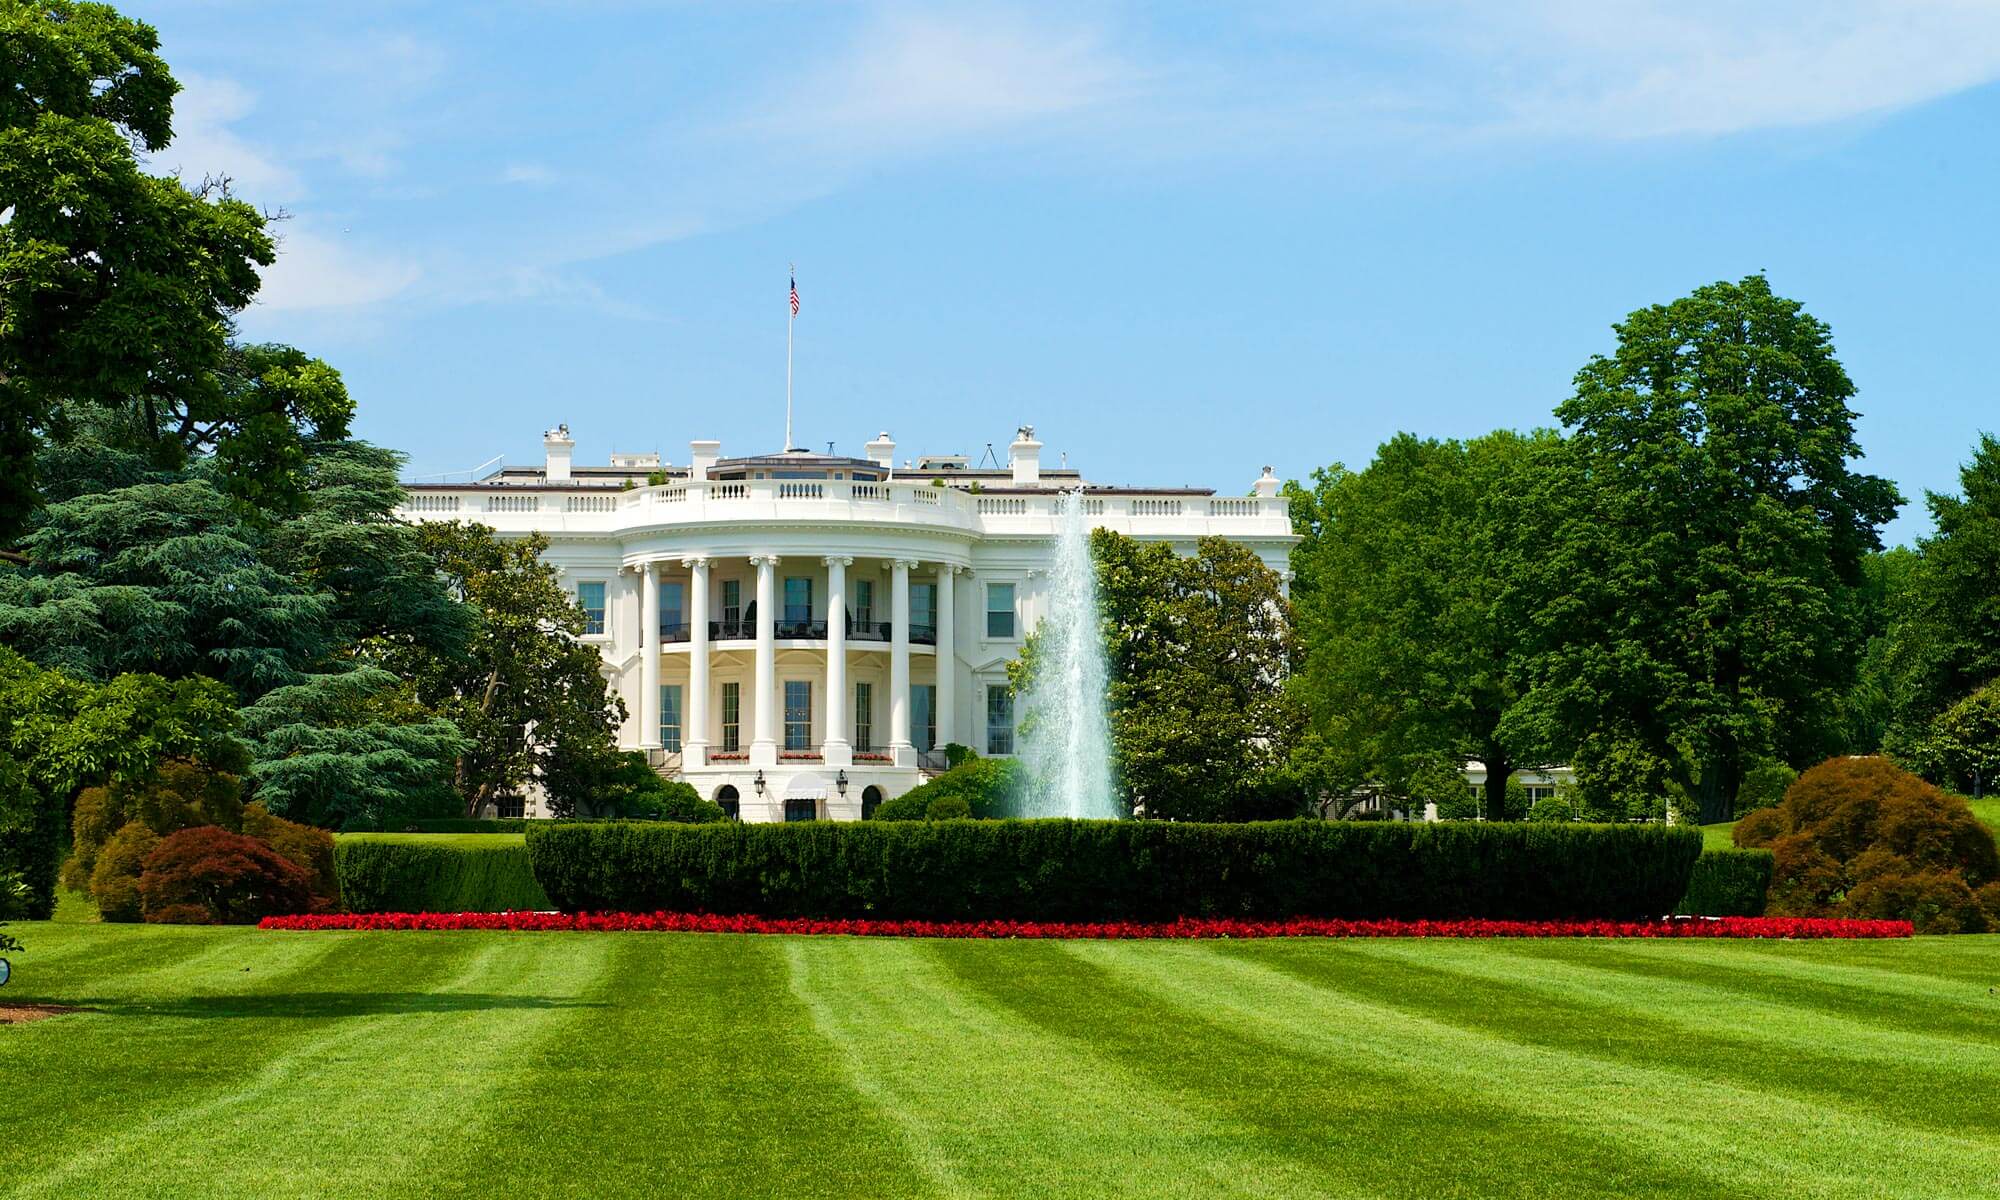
(1154, 507)
(1233, 506)
(431, 503)
(590, 503)
(513, 504)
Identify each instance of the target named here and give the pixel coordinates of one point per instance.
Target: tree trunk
(1721, 777)
(1498, 772)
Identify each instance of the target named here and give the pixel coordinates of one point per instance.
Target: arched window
(801, 808)
(732, 807)
(871, 799)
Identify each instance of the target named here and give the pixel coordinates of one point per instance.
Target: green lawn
(235, 1062)
(438, 839)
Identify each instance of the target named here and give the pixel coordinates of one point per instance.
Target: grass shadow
(315, 1005)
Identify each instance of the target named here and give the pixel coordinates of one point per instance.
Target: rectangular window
(864, 716)
(798, 600)
(800, 808)
(732, 716)
(510, 808)
(673, 612)
(923, 611)
(1000, 610)
(999, 720)
(670, 716)
(590, 598)
(798, 714)
(732, 607)
(923, 717)
(864, 603)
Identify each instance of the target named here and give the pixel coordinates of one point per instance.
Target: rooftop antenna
(829, 447)
(989, 456)
(468, 474)
(789, 323)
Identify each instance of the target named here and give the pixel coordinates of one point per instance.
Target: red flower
(1185, 927)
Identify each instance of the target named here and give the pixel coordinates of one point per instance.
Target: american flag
(795, 295)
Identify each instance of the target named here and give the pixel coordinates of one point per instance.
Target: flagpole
(791, 320)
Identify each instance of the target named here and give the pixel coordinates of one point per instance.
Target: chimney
(702, 456)
(1266, 485)
(1025, 456)
(882, 451)
(556, 442)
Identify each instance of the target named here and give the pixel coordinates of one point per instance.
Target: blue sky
(1183, 241)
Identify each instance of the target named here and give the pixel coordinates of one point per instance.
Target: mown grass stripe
(153, 1072)
(993, 1106)
(698, 1076)
(1750, 1140)
(1723, 1033)
(1352, 1126)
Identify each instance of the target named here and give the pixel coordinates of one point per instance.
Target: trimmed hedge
(415, 877)
(1728, 883)
(1059, 870)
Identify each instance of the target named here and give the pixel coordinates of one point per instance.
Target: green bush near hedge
(985, 788)
(1728, 883)
(406, 876)
(1119, 870)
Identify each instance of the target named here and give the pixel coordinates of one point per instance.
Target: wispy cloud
(908, 81)
(323, 271)
(205, 145)
(1623, 71)
(529, 173)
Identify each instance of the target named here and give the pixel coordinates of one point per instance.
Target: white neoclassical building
(800, 635)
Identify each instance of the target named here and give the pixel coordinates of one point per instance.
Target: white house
(799, 635)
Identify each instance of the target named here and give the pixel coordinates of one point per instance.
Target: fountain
(1067, 742)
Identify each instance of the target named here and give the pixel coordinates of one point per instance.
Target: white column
(649, 655)
(947, 662)
(837, 750)
(899, 667)
(764, 746)
(694, 734)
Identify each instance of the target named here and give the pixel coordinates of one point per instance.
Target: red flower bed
(1186, 927)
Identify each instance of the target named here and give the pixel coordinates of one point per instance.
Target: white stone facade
(800, 635)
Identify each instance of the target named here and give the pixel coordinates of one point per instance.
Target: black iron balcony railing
(744, 629)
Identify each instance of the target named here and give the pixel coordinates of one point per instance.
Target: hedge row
(416, 877)
(1728, 883)
(1056, 870)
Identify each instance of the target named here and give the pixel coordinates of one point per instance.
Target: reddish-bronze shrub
(210, 876)
(1861, 837)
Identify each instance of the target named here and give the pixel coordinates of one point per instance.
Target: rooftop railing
(895, 501)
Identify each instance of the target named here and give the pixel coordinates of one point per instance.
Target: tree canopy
(117, 288)
(1692, 564)
(1410, 661)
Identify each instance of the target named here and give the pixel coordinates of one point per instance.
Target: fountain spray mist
(1068, 746)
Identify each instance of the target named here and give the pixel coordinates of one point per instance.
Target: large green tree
(118, 288)
(1198, 649)
(1409, 658)
(1945, 641)
(529, 697)
(1692, 565)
